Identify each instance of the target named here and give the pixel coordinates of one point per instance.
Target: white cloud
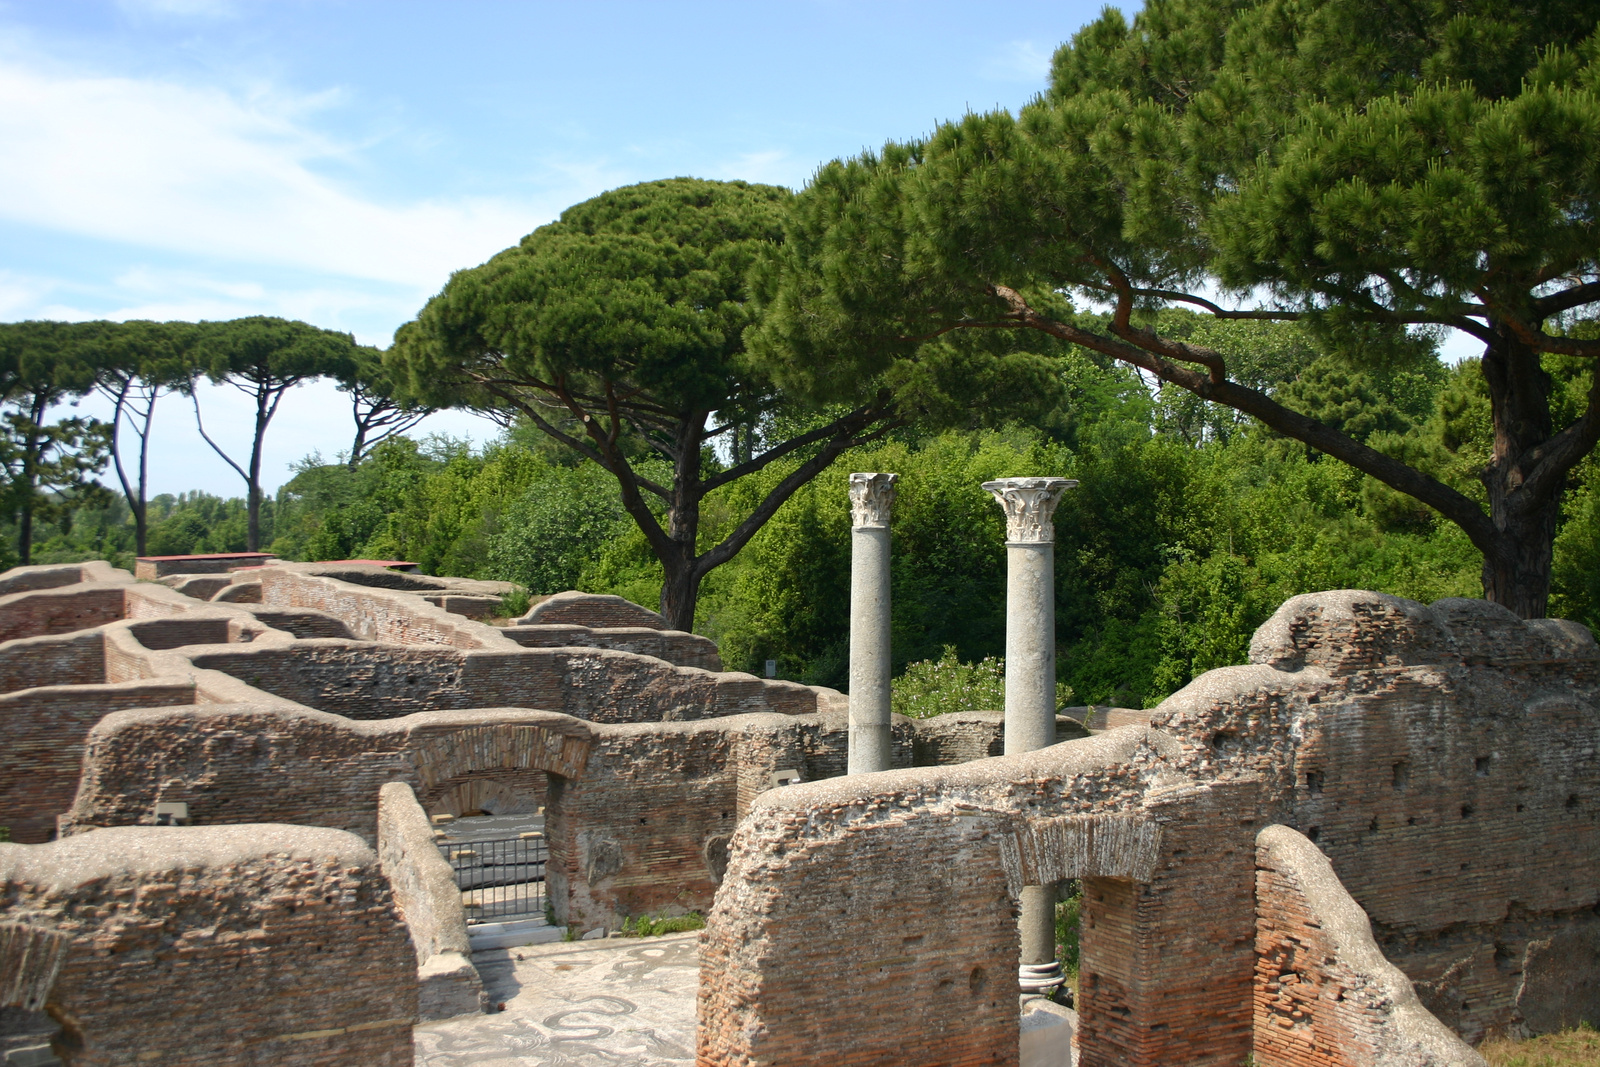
(207, 9)
(21, 295)
(206, 172)
(1020, 61)
(773, 167)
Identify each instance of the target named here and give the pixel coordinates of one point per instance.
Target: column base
(1039, 977)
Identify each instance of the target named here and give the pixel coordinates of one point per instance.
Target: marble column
(871, 497)
(1029, 504)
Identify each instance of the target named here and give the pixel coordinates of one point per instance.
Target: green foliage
(939, 686)
(560, 521)
(1384, 176)
(645, 926)
(516, 604)
(1069, 913)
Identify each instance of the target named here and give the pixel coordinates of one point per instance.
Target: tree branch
(781, 493)
(1456, 507)
(214, 446)
(862, 416)
(1551, 459)
(1566, 299)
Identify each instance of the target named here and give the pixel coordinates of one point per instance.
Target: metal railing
(500, 879)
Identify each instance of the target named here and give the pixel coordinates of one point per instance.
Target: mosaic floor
(577, 1004)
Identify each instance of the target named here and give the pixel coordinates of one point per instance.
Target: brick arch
(496, 747)
(501, 792)
(1041, 851)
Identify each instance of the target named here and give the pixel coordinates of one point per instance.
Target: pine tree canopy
(1371, 169)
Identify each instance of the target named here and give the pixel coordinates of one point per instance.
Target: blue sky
(334, 160)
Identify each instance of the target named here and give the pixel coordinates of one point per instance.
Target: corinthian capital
(871, 496)
(1029, 503)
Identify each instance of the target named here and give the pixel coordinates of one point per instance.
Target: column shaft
(1030, 646)
(869, 747)
(1029, 504)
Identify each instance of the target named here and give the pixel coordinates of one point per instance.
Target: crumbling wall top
(592, 609)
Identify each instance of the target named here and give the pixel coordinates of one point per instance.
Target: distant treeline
(1189, 526)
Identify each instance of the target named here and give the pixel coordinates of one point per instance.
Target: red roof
(210, 555)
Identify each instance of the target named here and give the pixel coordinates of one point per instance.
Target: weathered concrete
(871, 499)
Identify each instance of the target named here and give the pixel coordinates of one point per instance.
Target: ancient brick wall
(1325, 995)
(674, 646)
(870, 920)
(261, 945)
(364, 681)
(638, 816)
(373, 614)
(644, 829)
(594, 610)
(1447, 761)
(426, 895)
(60, 610)
(63, 659)
(52, 575)
(42, 734)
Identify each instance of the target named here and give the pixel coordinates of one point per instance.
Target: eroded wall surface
(1325, 995)
(269, 945)
(1444, 760)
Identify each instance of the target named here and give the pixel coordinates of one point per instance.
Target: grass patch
(1570, 1048)
(645, 926)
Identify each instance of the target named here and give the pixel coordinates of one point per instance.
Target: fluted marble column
(871, 497)
(1029, 504)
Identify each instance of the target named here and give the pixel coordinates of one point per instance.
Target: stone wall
(871, 919)
(1447, 761)
(638, 815)
(269, 945)
(674, 646)
(425, 891)
(594, 610)
(365, 681)
(36, 612)
(44, 731)
(51, 575)
(1325, 995)
(389, 615)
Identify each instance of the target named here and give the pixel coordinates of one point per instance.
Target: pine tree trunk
(680, 591)
(1517, 574)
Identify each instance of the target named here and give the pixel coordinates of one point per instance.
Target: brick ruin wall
(294, 927)
(594, 610)
(1444, 760)
(674, 646)
(1325, 996)
(425, 893)
(800, 966)
(638, 816)
(1447, 761)
(372, 614)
